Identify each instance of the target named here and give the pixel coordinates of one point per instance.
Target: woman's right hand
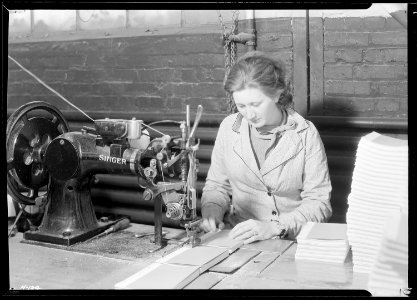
(212, 218)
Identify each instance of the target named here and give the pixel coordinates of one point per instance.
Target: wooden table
(263, 265)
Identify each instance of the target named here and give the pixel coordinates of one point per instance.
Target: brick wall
(365, 67)
(160, 73)
(156, 73)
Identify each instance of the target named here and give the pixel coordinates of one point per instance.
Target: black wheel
(29, 131)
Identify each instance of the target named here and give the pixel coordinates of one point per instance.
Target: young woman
(268, 174)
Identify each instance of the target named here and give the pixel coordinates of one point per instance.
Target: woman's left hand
(252, 230)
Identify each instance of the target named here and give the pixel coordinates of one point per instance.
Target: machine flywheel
(27, 137)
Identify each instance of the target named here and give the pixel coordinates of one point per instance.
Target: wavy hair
(256, 70)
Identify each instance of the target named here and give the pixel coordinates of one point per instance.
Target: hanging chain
(230, 51)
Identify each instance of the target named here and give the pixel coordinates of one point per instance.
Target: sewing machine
(42, 152)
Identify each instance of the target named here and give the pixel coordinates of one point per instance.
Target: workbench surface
(261, 265)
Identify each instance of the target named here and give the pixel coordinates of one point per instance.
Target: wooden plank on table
(235, 261)
(259, 263)
(251, 282)
(221, 239)
(108, 280)
(202, 256)
(286, 273)
(205, 281)
(271, 245)
(177, 269)
(160, 276)
(290, 251)
(271, 250)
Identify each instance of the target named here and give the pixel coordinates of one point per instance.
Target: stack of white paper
(389, 274)
(326, 242)
(379, 187)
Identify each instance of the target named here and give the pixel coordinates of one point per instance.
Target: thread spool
(134, 128)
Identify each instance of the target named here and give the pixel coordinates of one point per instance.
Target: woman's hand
(252, 230)
(212, 218)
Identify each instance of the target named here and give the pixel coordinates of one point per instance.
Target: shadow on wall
(341, 135)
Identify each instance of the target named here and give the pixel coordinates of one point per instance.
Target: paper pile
(379, 187)
(389, 274)
(326, 242)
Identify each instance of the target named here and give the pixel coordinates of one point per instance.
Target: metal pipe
(32, 21)
(250, 15)
(77, 20)
(360, 122)
(308, 58)
(113, 194)
(187, 119)
(127, 24)
(213, 120)
(145, 215)
(182, 18)
(125, 188)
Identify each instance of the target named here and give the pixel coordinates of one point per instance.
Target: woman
(268, 174)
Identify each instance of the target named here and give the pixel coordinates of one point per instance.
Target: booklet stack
(325, 242)
(379, 187)
(389, 274)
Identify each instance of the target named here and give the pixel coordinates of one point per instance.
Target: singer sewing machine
(42, 152)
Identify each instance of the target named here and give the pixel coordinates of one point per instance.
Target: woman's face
(257, 108)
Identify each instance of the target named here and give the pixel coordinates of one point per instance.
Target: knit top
(263, 142)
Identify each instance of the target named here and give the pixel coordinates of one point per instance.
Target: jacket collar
(294, 122)
(287, 148)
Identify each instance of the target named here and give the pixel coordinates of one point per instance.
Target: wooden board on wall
(316, 66)
(300, 65)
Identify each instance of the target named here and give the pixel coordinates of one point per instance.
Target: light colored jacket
(292, 186)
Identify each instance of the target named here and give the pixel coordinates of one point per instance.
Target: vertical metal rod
(158, 220)
(77, 20)
(127, 19)
(182, 19)
(187, 118)
(308, 58)
(184, 160)
(252, 28)
(32, 20)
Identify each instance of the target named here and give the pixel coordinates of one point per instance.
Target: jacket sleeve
(217, 189)
(316, 189)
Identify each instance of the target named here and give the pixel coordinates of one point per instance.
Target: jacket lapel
(243, 149)
(289, 145)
